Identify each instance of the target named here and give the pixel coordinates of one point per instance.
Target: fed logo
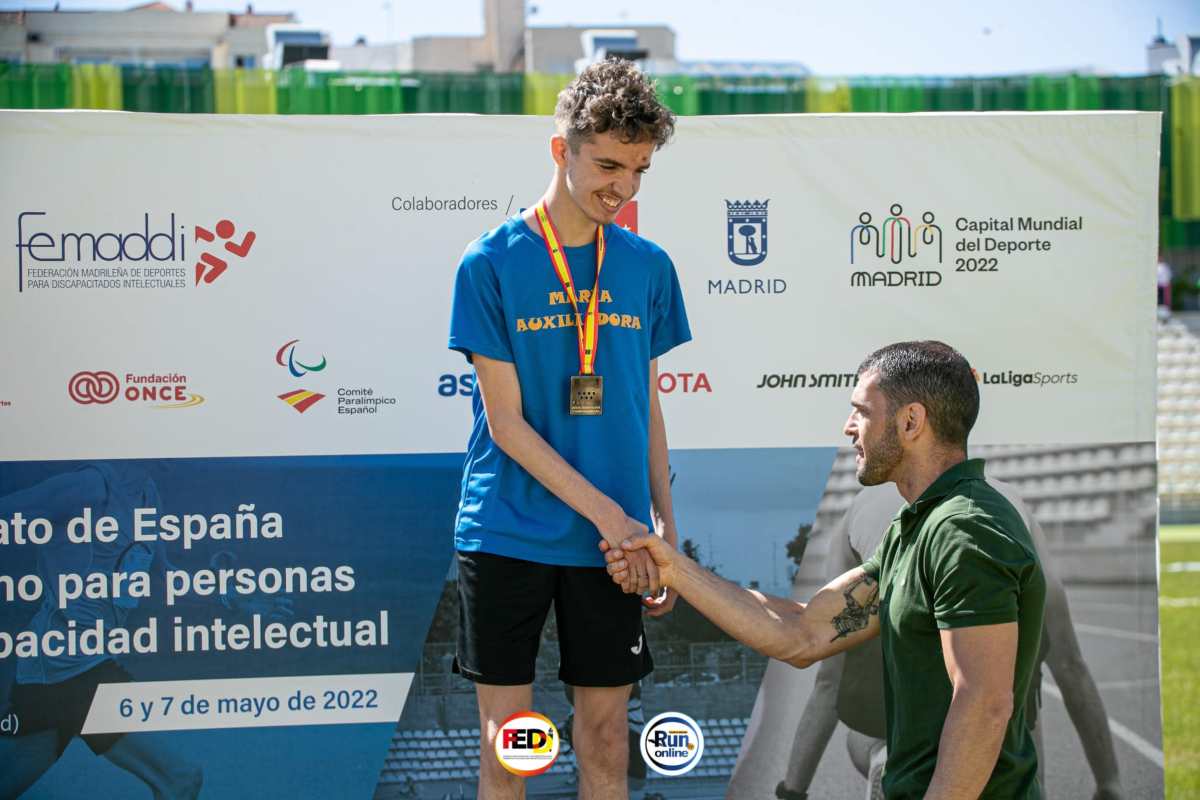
(672, 744)
(527, 744)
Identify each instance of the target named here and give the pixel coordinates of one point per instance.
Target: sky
(743, 506)
(868, 37)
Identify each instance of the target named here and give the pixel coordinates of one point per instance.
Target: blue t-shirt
(510, 306)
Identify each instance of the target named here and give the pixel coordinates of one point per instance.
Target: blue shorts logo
(746, 231)
(672, 744)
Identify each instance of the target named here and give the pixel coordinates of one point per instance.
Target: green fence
(167, 90)
(255, 91)
(1185, 152)
(35, 86)
(293, 91)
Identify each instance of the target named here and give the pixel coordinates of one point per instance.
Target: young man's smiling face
(605, 174)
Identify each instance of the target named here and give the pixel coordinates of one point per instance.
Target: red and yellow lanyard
(588, 329)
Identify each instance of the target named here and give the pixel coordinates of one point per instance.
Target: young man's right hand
(621, 560)
(642, 575)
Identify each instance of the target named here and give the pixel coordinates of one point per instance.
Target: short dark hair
(612, 95)
(935, 375)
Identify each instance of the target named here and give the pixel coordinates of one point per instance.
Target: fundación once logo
(893, 243)
(87, 388)
(527, 744)
(300, 399)
(672, 744)
(101, 387)
(150, 253)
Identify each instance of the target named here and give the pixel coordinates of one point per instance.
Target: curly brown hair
(612, 95)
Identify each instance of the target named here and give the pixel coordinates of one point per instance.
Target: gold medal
(587, 395)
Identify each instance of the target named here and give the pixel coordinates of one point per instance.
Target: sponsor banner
(298, 311)
(232, 431)
(247, 702)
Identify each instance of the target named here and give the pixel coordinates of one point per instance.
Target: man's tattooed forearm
(857, 615)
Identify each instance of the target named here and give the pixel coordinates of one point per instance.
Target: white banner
(217, 286)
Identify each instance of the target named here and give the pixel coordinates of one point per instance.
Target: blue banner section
(344, 538)
(308, 761)
(191, 569)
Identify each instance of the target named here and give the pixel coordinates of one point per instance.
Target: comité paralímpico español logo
(151, 255)
(896, 242)
(300, 399)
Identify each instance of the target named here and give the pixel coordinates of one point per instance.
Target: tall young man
(955, 590)
(564, 316)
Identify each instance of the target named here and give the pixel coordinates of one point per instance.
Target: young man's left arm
(660, 488)
(981, 663)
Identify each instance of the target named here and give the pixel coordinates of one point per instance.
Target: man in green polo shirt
(955, 589)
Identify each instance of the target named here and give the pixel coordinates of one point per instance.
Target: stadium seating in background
(1179, 420)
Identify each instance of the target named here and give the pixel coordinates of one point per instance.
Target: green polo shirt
(959, 556)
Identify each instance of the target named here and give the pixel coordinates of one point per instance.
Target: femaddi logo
(146, 253)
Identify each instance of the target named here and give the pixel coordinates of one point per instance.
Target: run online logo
(672, 743)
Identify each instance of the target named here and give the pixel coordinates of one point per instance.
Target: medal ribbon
(588, 328)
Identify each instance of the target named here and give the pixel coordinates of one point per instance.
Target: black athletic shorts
(503, 603)
(63, 707)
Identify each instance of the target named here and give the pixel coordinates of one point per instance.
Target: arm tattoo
(856, 616)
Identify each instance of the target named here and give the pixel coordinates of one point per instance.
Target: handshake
(643, 563)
